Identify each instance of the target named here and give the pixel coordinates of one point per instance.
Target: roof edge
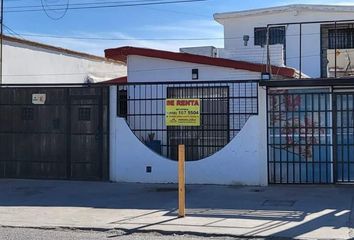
(313, 82)
(122, 53)
(115, 81)
(58, 49)
(292, 7)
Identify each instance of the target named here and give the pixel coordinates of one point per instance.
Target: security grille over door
(344, 137)
(299, 136)
(225, 108)
(310, 136)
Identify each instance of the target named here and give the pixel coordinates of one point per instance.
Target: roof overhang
(318, 82)
(220, 17)
(120, 80)
(122, 53)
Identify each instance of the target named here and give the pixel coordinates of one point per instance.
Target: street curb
(60, 228)
(139, 231)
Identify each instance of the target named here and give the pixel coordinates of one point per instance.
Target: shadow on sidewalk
(287, 211)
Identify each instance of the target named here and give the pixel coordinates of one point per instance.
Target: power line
(146, 39)
(124, 1)
(46, 9)
(85, 4)
(12, 32)
(116, 39)
(163, 2)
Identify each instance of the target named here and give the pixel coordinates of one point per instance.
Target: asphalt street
(63, 234)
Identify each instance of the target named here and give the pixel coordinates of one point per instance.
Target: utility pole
(1, 40)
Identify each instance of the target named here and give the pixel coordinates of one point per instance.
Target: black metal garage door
(54, 132)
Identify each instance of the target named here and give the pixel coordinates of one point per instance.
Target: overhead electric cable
(47, 9)
(105, 6)
(12, 32)
(85, 4)
(137, 39)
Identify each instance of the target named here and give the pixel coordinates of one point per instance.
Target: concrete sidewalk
(317, 212)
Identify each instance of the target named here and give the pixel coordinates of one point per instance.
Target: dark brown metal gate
(63, 136)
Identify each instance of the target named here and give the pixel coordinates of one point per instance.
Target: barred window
(341, 38)
(123, 104)
(276, 36)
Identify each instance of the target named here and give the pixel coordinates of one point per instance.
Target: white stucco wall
(145, 69)
(243, 161)
(29, 64)
(236, 28)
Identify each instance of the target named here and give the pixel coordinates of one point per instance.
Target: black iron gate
(310, 136)
(54, 132)
(343, 150)
(225, 107)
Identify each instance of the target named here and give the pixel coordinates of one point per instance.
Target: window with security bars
(122, 107)
(213, 132)
(341, 38)
(276, 36)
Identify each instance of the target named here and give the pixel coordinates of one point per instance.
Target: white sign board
(38, 98)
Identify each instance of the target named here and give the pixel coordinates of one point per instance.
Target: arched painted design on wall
(225, 108)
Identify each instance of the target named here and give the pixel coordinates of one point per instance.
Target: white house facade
(253, 113)
(252, 131)
(131, 160)
(245, 36)
(28, 62)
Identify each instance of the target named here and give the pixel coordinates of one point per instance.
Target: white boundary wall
(242, 162)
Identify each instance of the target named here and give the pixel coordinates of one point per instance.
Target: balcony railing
(320, 49)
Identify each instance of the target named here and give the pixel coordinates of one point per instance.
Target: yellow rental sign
(183, 112)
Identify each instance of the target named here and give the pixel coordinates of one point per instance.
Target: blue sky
(185, 20)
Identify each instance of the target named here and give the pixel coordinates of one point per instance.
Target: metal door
(343, 115)
(32, 136)
(300, 148)
(86, 137)
(63, 137)
(311, 136)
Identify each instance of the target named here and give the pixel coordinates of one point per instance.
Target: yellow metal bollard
(181, 181)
